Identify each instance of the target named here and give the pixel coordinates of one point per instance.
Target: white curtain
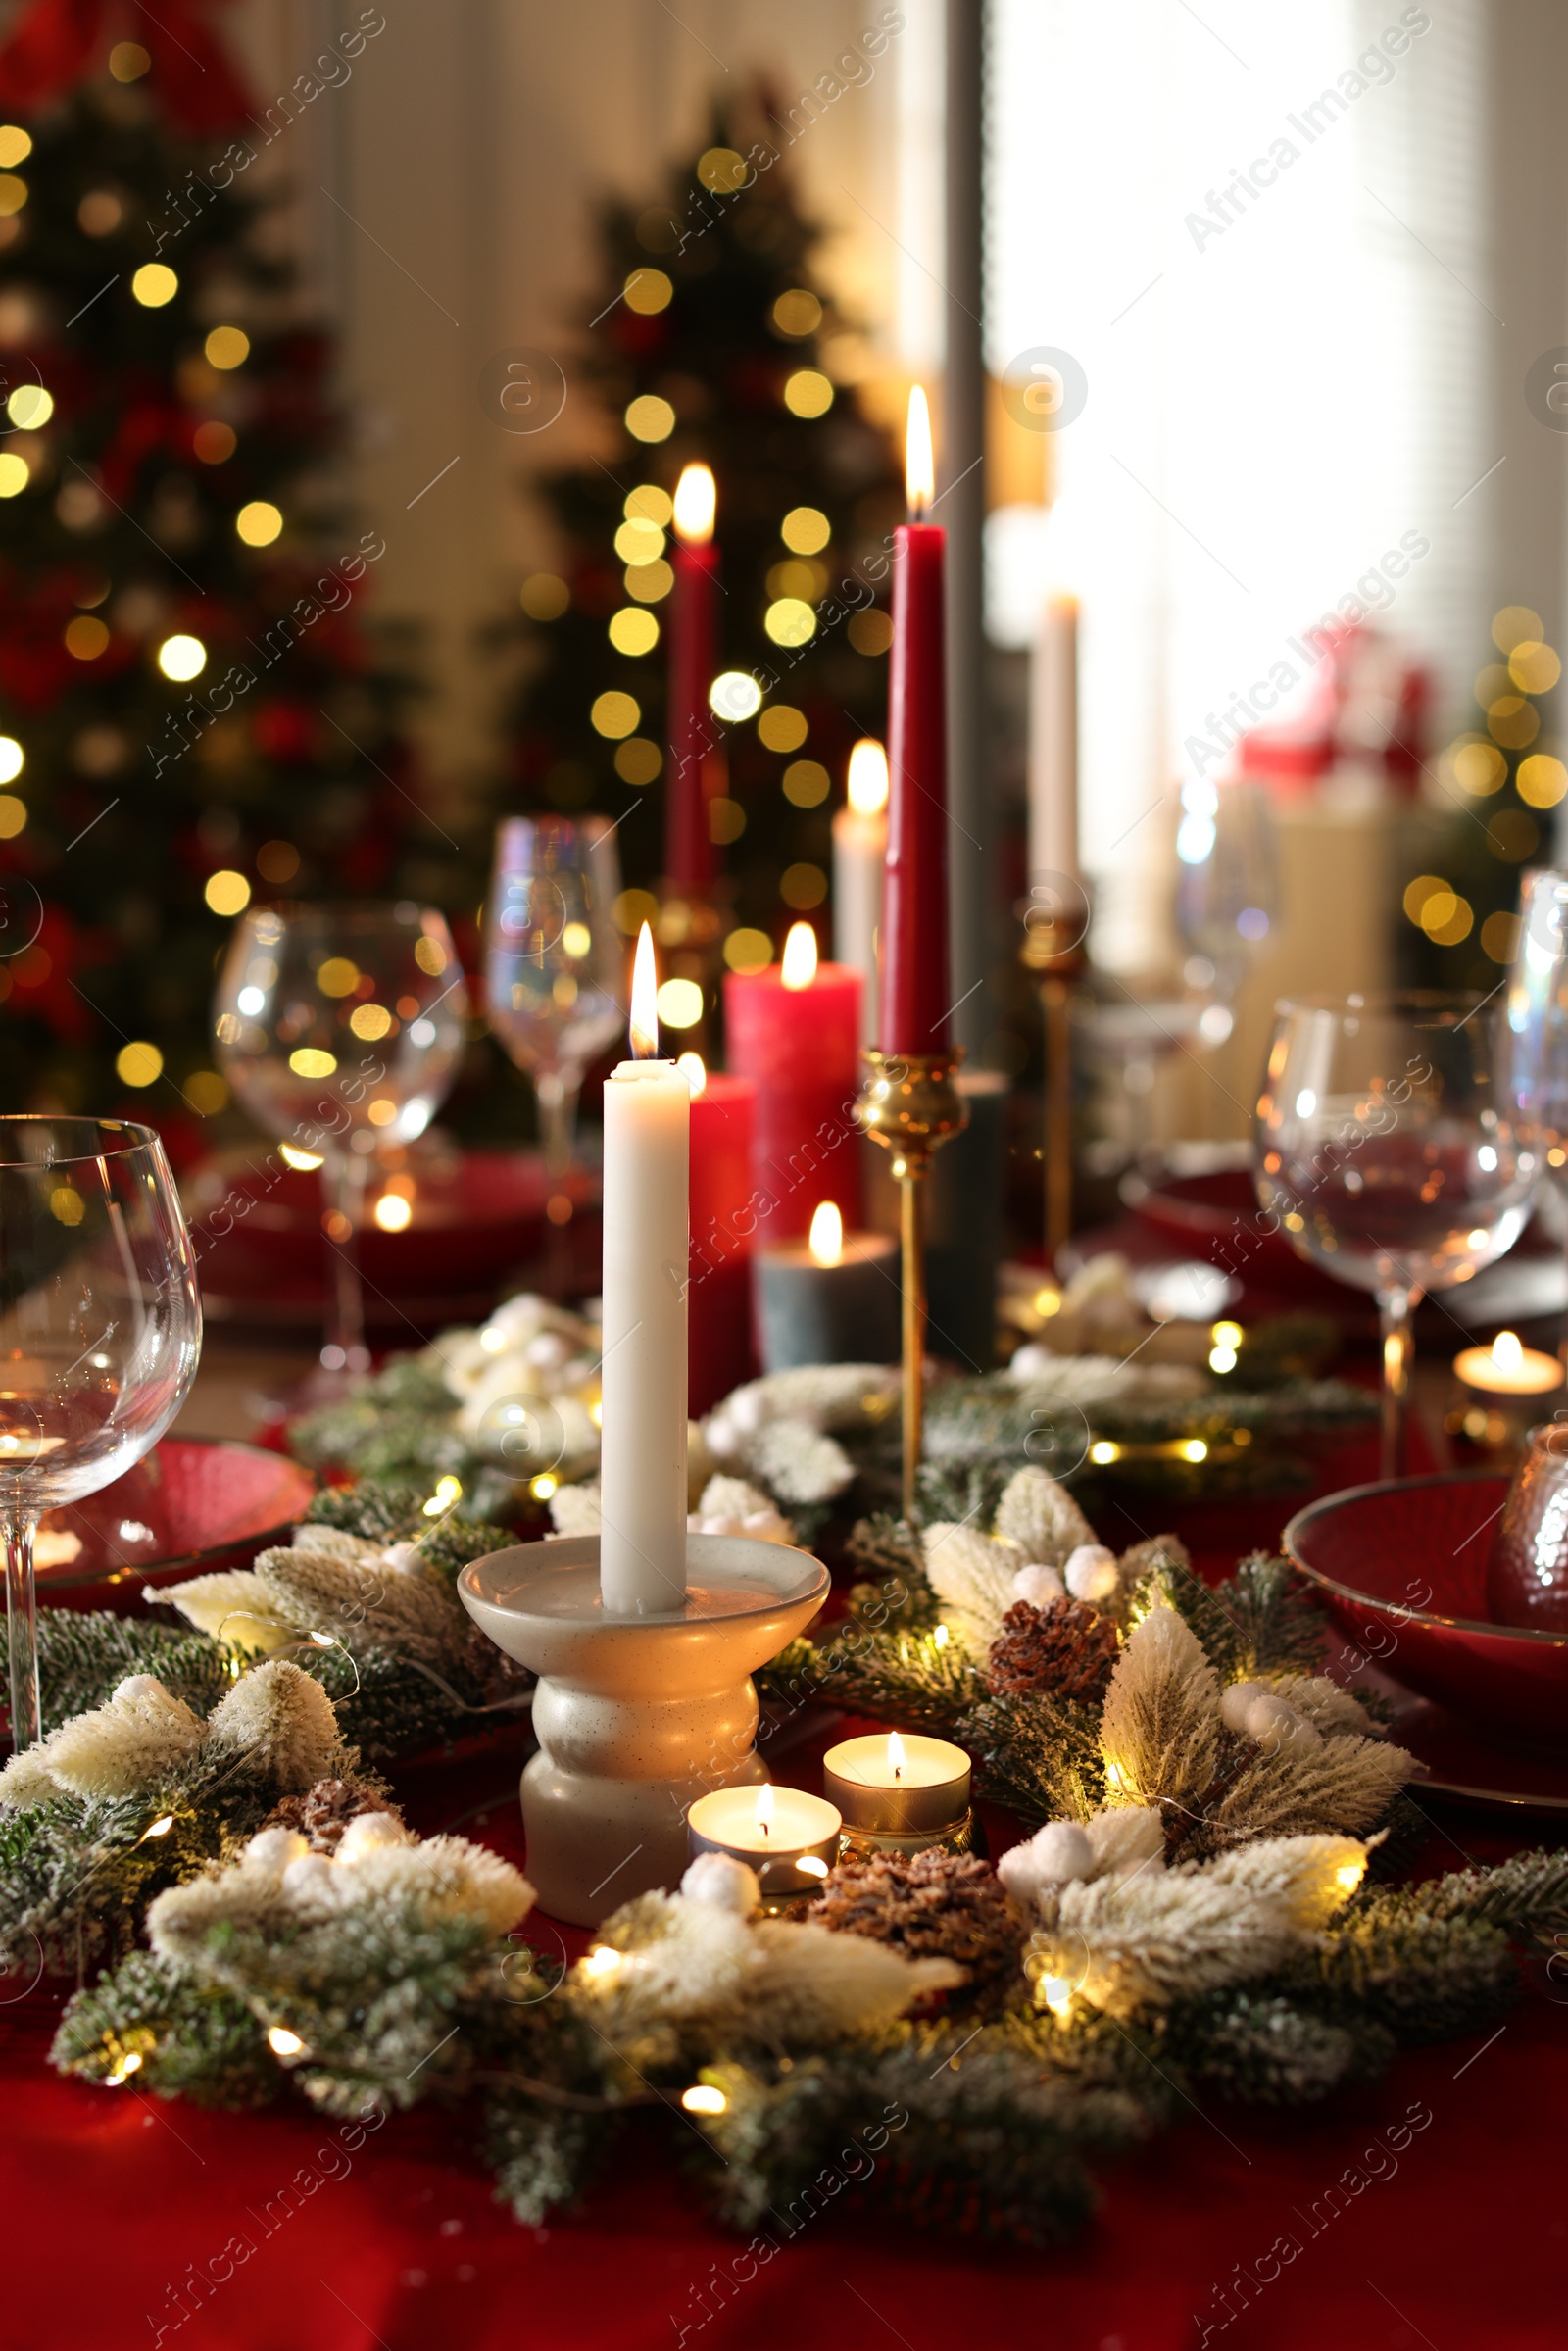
(1288, 371)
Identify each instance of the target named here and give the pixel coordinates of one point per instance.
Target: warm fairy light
(602, 1960)
(920, 466)
(939, 1638)
(1103, 1450)
(447, 1492)
(702, 2098)
(695, 500)
(894, 1755)
(293, 1157)
(1347, 1877)
(1507, 1353)
(130, 2063)
(282, 2042)
(868, 778)
(644, 1000)
(825, 1240)
(1057, 1992)
(765, 1809)
(393, 1213)
(798, 967)
(813, 1865)
(1193, 1449)
(694, 1070)
(160, 1827)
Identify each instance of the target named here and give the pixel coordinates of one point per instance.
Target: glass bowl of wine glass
(339, 1029)
(100, 1334)
(1387, 1151)
(553, 962)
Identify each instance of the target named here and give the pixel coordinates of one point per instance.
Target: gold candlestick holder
(910, 1105)
(1055, 957)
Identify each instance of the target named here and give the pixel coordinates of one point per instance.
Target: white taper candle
(860, 854)
(1054, 741)
(642, 1553)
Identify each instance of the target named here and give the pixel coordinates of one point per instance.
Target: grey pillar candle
(843, 1312)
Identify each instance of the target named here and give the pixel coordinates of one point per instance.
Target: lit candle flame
(868, 778)
(1506, 1351)
(695, 502)
(694, 1070)
(894, 1755)
(644, 1000)
(798, 967)
(920, 466)
(765, 1809)
(826, 1237)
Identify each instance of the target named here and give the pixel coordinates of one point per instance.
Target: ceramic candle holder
(636, 1716)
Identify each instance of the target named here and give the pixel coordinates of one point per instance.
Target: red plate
(477, 1218)
(1402, 1570)
(191, 1505)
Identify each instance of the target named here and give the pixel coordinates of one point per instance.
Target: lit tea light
(833, 1299)
(1507, 1367)
(790, 1838)
(902, 1791)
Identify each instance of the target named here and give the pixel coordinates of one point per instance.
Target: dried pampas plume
(1041, 1517)
(283, 1721)
(1161, 1729)
(138, 1739)
(973, 1577)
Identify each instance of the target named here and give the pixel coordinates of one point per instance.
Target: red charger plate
(190, 1507)
(1402, 1570)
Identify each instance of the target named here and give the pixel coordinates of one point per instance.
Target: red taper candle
(694, 759)
(915, 1005)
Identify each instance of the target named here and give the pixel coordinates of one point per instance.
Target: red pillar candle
(720, 1351)
(917, 1007)
(795, 1030)
(693, 659)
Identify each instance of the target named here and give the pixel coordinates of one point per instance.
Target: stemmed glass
(100, 1332)
(552, 962)
(1226, 893)
(1386, 1148)
(340, 1028)
(1536, 1032)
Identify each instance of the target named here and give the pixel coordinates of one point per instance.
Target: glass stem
(345, 1347)
(557, 1092)
(1394, 1322)
(22, 1629)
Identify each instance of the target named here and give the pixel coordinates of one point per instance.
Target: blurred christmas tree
(1499, 784)
(709, 341)
(190, 709)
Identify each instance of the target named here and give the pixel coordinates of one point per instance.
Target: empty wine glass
(1537, 1028)
(1385, 1149)
(1226, 893)
(100, 1332)
(340, 1028)
(553, 960)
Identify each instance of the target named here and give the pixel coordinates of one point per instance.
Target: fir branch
(84, 1653)
(904, 1679)
(1424, 1978)
(1526, 1897)
(1168, 1580)
(1274, 1624)
(1259, 2047)
(1039, 1758)
(190, 2041)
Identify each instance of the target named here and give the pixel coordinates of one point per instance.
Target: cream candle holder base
(636, 1716)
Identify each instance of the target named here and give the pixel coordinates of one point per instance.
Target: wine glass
(339, 1029)
(100, 1330)
(1537, 1028)
(553, 960)
(1386, 1148)
(1226, 894)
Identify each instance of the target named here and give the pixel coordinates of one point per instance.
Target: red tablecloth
(1426, 2210)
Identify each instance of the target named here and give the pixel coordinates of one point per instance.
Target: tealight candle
(899, 1793)
(1507, 1368)
(790, 1838)
(833, 1299)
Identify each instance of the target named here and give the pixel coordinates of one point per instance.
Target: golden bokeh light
(1542, 781)
(797, 313)
(650, 418)
(1534, 667)
(259, 523)
(807, 783)
(809, 393)
(154, 284)
(648, 291)
(647, 503)
(544, 597)
(138, 1063)
(1513, 625)
(615, 715)
(633, 630)
(639, 762)
(228, 892)
(227, 347)
(789, 621)
(721, 171)
(782, 728)
(748, 949)
(803, 887)
(805, 530)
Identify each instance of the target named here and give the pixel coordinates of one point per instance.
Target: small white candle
(1508, 1368)
(860, 854)
(790, 1838)
(642, 1553)
(891, 1783)
(1054, 741)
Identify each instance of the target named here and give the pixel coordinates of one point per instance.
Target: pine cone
(498, 1675)
(1067, 1651)
(325, 1811)
(942, 1905)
